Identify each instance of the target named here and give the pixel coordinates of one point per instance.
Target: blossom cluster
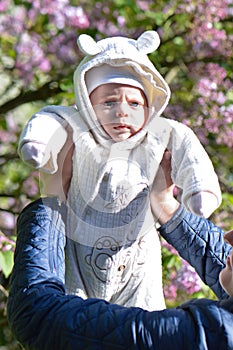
(43, 34)
(211, 108)
(37, 50)
(183, 278)
(212, 89)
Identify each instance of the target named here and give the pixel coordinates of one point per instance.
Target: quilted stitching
(43, 317)
(201, 238)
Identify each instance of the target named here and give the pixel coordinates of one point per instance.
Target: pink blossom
(143, 5)
(64, 48)
(221, 98)
(121, 21)
(226, 138)
(169, 247)
(4, 5)
(187, 279)
(212, 125)
(30, 185)
(7, 220)
(227, 112)
(76, 17)
(44, 65)
(170, 292)
(13, 23)
(205, 86)
(30, 56)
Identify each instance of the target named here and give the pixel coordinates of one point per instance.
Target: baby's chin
(120, 138)
(121, 135)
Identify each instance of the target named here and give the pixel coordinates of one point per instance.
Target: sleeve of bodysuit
(41, 140)
(193, 172)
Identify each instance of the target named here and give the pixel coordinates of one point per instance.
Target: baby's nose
(122, 109)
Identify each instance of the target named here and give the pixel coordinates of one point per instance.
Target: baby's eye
(109, 103)
(135, 104)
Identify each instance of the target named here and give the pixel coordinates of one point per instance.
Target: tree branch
(43, 93)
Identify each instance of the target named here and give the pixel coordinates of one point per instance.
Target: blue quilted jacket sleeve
(201, 243)
(43, 317)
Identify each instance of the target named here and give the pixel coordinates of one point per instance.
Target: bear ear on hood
(88, 45)
(147, 42)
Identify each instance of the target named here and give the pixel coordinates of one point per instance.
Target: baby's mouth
(121, 127)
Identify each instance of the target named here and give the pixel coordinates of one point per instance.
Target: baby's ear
(88, 45)
(148, 42)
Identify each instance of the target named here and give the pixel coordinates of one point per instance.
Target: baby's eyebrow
(111, 96)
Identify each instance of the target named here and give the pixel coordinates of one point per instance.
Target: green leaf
(230, 95)
(6, 262)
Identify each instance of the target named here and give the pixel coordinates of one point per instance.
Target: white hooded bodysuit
(113, 249)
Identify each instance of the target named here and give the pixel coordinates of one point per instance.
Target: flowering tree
(38, 54)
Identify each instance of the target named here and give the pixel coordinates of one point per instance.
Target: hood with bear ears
(125, 52)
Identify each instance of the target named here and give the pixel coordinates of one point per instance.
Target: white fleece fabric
(113, 249)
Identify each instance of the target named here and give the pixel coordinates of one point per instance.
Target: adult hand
(163, 202)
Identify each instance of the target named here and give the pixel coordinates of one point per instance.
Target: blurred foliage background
(38, 55)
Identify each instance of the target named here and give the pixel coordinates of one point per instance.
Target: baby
(116, 137)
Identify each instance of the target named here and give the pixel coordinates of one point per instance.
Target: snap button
(88, 212)
(105, 177)
(121, 268)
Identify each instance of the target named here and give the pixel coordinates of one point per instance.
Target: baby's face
(120, 109)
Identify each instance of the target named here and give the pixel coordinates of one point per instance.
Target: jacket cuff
(174, 222)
